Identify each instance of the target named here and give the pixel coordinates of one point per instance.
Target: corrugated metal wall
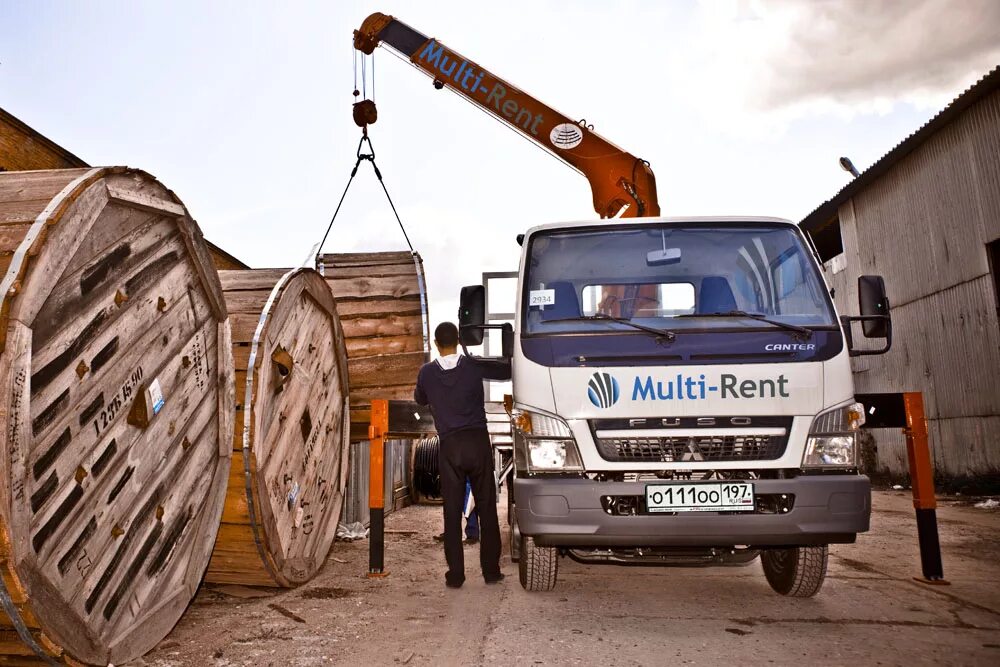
(924, 227)
(397, 480)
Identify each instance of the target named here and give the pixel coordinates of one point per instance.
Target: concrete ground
(870, 611)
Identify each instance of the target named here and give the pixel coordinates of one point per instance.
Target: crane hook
(365, 114)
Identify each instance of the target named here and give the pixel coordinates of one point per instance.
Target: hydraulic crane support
(617, 178)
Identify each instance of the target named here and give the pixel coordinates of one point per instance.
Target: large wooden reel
(382, 302)
(116, 406)
(290, 463)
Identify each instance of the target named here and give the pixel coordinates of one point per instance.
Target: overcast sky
(244, 109)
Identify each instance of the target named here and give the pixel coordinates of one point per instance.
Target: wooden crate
(291, 459)
(382, 303)
(116, 405)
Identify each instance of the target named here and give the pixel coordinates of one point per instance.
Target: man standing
(453, 386)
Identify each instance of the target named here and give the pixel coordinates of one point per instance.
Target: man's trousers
(468, 454)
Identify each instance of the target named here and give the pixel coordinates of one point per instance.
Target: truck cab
(682, 395)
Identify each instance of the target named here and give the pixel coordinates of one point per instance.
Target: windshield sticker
(542, 297)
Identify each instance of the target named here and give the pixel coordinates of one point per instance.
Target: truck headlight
(832, 441)
(544, 443)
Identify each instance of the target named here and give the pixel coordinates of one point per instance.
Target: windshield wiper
(801, 331)
(668, 336)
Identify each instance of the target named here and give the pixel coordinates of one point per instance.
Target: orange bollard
(922, 481)
(377, 430)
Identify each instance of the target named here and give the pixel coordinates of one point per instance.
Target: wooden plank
(126, 272)
(368, 287)
(21, 212)
(12, 235)
(202, 261)
(243, 325)
(372, 270)
(333, 260)
(80, 209)
(387, 326)
(390, 369)
(36, 185)
(119, 226)
(367, 347)
(253, 279)
(249, 302)
(350, 309)
(362, 397)
(122, 195)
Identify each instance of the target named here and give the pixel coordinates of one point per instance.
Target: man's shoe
(472, 540)
(497, 580)
(450, 584)
(439, 537)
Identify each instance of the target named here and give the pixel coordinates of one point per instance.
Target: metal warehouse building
(926, 217)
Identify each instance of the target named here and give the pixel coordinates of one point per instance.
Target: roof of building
(828, 209)
(34, 135)
(222, 253)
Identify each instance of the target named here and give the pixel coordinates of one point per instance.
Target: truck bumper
(560, 512)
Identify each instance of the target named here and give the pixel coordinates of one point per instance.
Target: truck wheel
(796, 572)
(538, 566)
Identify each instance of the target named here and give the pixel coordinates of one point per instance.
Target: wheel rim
(780, 560)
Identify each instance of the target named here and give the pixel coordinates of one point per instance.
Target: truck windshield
(676, 277)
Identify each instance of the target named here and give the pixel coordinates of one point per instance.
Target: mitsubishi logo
(693, 453)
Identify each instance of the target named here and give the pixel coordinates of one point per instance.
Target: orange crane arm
(617, 178)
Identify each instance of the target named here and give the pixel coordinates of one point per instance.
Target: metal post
(922, 481)
(377, 431)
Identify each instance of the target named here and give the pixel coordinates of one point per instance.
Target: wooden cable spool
(286, 487)
(382, 303)
(116, 406)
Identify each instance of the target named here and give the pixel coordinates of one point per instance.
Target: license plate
(724, 497)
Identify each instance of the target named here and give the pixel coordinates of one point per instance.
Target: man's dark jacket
(456, 395)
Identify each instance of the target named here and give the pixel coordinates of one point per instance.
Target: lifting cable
(364, 114)
(370, 157)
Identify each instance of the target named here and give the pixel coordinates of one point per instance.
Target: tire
(797, 572)
(538, 566)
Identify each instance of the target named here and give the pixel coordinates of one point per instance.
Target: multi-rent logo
(688, 388)
(465, 74)
(603, 388)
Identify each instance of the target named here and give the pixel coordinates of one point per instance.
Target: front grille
(708, 447)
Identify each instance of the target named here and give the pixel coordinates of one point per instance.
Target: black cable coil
(426, 476)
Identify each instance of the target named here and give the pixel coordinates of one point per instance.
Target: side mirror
(873, 304)
(471, 314)
(507, 340)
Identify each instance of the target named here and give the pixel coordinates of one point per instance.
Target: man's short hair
(446, 334)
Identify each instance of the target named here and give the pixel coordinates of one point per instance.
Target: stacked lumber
(382, 303)
(291, 441)
(116, 408)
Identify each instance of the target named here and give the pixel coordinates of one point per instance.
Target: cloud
(756, 65)
(856, 51)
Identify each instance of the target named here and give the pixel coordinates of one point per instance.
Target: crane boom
(617, 178)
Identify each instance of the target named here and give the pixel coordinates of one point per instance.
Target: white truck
(682, 395)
